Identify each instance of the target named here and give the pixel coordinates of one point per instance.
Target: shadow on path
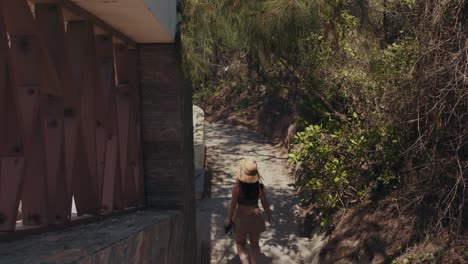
(281, 244)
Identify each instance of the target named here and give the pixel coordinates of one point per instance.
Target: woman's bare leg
(254, 239)
(241, 240)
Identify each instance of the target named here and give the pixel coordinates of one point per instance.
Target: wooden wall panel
(135, 157)
(105, 62)
(81, 50)
(112, 193)
(27, 60)
(124, 110)
(70, 118)
(11, 150)
(51, 25)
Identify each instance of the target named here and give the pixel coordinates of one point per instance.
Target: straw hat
(248, 172)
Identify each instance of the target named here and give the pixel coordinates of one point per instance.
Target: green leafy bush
(381, 77)
(338, 167)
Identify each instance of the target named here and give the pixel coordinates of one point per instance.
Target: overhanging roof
(143, 21)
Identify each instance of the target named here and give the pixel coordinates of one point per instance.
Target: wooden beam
(83, 60)
(105, 64)
(50, 22)
(11, 154)
(28, 63)
(135, 127)
(112, 199)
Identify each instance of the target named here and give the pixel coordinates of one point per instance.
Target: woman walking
(248, 220)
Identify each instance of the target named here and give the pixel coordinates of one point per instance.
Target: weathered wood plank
(81, 50)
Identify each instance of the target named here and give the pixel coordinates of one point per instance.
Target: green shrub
(338, 167)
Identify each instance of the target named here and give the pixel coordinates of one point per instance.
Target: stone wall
(167, 135)
(141, 237)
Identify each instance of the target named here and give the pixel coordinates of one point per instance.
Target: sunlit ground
(226, 145)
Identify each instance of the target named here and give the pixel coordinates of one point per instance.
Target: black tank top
(249, 193)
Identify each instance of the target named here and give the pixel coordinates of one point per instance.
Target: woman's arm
(233, 202)
(266, 205)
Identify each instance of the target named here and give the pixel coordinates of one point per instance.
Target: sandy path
(280, 244)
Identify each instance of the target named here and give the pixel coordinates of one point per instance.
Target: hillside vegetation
(371, 99)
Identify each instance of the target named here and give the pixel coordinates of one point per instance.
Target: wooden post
(81, 51)
(134, 137)
(51, 25)
(105, 60)
(28, 64)
(112, 199)
(11, 150)
(124, 108)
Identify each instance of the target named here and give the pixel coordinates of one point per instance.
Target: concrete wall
(199, 149)
(167, 134)
(165, 12)
(144, 21)
(141, 237)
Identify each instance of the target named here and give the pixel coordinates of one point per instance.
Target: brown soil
(378, 232)
(367, 234)
(257, 108)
